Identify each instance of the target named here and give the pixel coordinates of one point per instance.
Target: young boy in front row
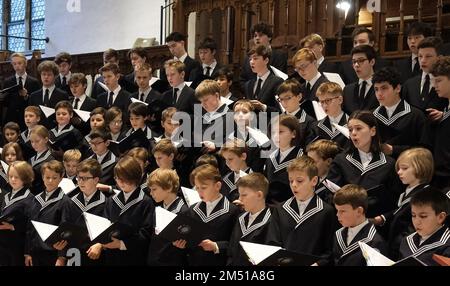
(304, 223)
(351, 204)
(163, 185)
(252, 226)
(214, 210)
(429, 209)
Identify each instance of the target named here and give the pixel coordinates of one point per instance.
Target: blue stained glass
(38, 31)
(17, 10)
(37, 9)
(16, 45)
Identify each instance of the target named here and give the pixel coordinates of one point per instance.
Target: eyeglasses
(327, 101)
(287, 98)
(302, 67)
(84, 179)
(96, 143)
(359, 61)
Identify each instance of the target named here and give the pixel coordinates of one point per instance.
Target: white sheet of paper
(224, 100)
(47, 110)
(67, 185)
(191, 196)
(343, 130)
(44, 229)
(242, 174)
(89, 85)
(331, 186)
(260, 138)
(5, 166)
(258, 252)
(95, 224)
(318, 110)
(163, 218)
(137, 100)
(188, 83)
(103, 86)
(153, 80)
(279, 103)
(373, 257)
(84, 115)
(279, 73)
(157, 139)
(334, 77)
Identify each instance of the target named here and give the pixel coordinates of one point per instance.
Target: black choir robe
(311, 95)
(411, 93)
(392, 130)
(12, 243)
(108, 163)
(68, 132)
(229, 188)
(267, 93)
(276, 173)
(25, 145)
(254, 159)
(405, 67)
(348, 74)
(308, 127)
(256, 233)
(37, 98)
(325, 131)
(161, 251)
(278, 59)
(185, 101)
(51, 211)
(350, 254)
(4, 186)
(352, 102)
(324, 192)
(222, 219)
(74, 214)
(138, 213)
(312, 233)
(122, 101)
(438, 243)
(347, 168)
(36, 163)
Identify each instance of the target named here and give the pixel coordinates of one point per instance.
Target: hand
(208, 245)
(315, 264)
(6, 226)
(61, 261)
(28, 260)
(210, 146)
(181, 243)
(387, 149)
(114, 244)
(23, 92)
(258, 105)
(103, 187)
(238, 203)
(94, 251)
(434, 114)
(60, 245)
(378, 220)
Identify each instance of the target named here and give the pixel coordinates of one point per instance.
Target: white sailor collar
(260, 220)
(402, 109)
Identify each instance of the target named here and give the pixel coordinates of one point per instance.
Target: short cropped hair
(431, 42)
(421, 161)
(40, 130)
(145, 67)
(141, 52)
(25, 172)
(100, 133)
(260, 50)
(72, 155)
(243, 103)
(64, 104)
(437, 200)
(33, 109)
(110, 67)
(330, 87)
(419, 28)
(109, 54)
(224, 72)
(12, 126)
(90, 166)
(175, 37)
(48, 66)
(207, 87)
(63, 57)
(138, 109)
(139, 153)
(263, 28)
(368, 50)
(176, 64)
(290, 85)
(353, 195)
(128, 170)
(441, 67)
(165, 146)
(78, 78)
(304, 164)
(168, 113)
(19, 55)
(235, 145)
(361, 30)
(207, 44)
(389, 75)
(254, 181)
(207, 159)
(312, 39)
(53, 165)
(165, 178)
(325, 149)
(206, 173)
(304, 55)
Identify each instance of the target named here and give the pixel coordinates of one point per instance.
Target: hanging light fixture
(343, 5)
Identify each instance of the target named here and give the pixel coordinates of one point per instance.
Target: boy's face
(427, 58)
(233, 161)
(31, 119)
(97, 121)
(242, 115)
(164, 161)
(258, 64)
(323, 166)
(87, 182)
(51, 179)
(406, 173)
(301, 185)
(63, 116)
(206, 56)
(158, 193)
(47, 78)
(174, 77)
(386, 94)
(210, 102)
(137, 121)
(306, 69)
(11, 135)
(360, 133)
(290, 101)
(348, 216)
(251, 199)
(362, 39)
(261, 39)
(282, 136)
(224, 84)
(362, 66)
(208, 190)
(99, 146)
(442, 86)
(176, 48)
(77, 89)
(136, 60)
(142, 79)
(70, 167)
(111, 79)
(14, 179)
(413, 42)
(19, 65)
(10, 155)
(425, 219)
(64, 68)
(116, 125)
(331, 103)
(169, 126)
(38, 143)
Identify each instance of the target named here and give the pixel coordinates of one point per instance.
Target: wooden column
(382, 27)
(402, 27)
(356, 5)
(439, 18)
(341, 23)
(419, 10)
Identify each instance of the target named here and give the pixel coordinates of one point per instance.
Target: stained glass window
(16, 45)
(37, 31)
(37, 9)
(17, 10)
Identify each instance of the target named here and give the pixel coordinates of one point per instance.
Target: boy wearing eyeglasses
(99, 144)
(360, 95)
